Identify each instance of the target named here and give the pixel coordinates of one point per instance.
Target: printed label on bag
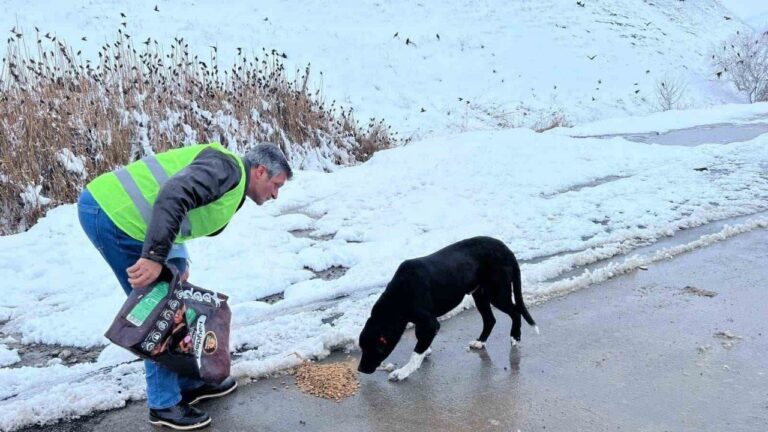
(190, 316)
(207, 297)
(198, 338)
(210, 343)
(147, 304)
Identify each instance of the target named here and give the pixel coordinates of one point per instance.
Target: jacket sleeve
(210, 175)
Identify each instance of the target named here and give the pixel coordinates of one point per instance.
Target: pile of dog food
(335, 381)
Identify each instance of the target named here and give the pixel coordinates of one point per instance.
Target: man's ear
(260, 171)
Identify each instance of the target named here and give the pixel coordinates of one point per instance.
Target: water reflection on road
(720, 133)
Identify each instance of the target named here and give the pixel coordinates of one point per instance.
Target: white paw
(398, 375)
(428, 352)
(513, 341)
(413, 365)
(476, 345)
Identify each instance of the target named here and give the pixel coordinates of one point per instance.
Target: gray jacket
(210, 175)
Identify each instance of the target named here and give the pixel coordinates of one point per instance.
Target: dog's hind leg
(503, 302)
(503, 299)
(484, 307)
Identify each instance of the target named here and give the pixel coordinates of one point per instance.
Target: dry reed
(65, 119)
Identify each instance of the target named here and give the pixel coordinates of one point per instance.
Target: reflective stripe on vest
(141, 203)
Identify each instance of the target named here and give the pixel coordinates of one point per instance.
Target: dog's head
(379, 337)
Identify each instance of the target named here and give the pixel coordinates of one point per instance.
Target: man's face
(262, 188)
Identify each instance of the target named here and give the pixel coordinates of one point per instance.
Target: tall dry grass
(65, 119)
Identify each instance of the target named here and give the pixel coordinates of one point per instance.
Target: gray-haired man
(185, 193)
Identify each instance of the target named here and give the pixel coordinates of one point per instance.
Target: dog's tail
(517, 291)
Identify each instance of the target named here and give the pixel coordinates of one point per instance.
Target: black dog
(423, 289)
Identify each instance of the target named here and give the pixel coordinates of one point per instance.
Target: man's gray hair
(271, 157)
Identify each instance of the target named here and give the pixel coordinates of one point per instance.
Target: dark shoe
(179, 417)
(209, 391)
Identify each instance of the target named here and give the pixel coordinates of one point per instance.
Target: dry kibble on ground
(331, 381)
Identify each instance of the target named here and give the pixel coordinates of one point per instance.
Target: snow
(32, 196)
(72, 163)
(559, 202)
(8, 356)
(494, 62)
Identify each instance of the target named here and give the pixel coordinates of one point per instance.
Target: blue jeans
(122, 251)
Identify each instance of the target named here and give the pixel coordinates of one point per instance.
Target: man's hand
(143, 273)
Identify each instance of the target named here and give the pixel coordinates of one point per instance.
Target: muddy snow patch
(330, 273)
(40, 355)
(728, 339)
(272, 298)
(310, 234)
(699, 291)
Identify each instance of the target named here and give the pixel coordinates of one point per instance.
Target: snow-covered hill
(752, 12)
(435, 67)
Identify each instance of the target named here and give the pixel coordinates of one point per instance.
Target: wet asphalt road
(637, 353)
(720, 133)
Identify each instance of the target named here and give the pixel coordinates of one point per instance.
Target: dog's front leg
(426, 329)
(413, 364)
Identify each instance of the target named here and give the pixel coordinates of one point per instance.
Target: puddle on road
(720, 133)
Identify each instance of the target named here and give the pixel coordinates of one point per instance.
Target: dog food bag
(178, 325)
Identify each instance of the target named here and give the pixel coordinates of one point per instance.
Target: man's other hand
(143, 273)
